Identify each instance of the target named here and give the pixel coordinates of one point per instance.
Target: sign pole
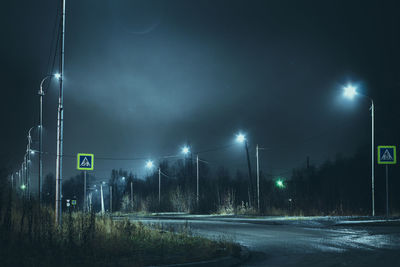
(387, 191)
(84, 191)
(387, 155)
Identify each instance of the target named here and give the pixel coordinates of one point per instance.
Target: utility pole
(258, 180)
(250, 178)
(258, 175)
(132, 195)
(60, 126)
(197, 187)
(159, 186)
(111, 199)
(372, 157)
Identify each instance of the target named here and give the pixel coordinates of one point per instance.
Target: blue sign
(387, 155)
(85, 162)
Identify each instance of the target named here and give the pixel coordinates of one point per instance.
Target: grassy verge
(28, 237)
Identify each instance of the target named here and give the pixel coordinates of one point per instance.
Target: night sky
(143, 78)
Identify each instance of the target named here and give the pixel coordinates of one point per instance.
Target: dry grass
(29, 237)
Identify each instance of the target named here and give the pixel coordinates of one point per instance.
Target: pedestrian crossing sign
(85, 162)
(387, 155)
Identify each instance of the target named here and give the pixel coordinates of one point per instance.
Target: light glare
(57, 75)
(149, 164)
(279, 183)
(349, 91)
(240, 138)
(185, 150)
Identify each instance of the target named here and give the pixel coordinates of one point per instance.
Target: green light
(23, 187)
(279, 183)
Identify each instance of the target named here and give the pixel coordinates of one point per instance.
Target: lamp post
(41, 93)
(150, 165)
(241, 138)
(29, 151)
(350, 92)
(60, 126)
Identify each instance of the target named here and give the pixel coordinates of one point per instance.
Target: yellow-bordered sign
(85, 162)
(387, 155)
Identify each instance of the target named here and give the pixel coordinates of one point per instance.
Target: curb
(220, 262)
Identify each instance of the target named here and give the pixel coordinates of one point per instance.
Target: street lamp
(241, 138)
(349, 92)
(149, 165)
(28, 159)
(41, 93)
(185, 150)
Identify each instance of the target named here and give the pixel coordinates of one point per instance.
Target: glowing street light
(349, 92)
(240, 138)
(23, 187)
(185, 150)
(149, 164)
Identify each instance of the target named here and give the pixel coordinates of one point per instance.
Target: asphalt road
(307, 242)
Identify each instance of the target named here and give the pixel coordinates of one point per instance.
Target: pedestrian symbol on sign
(386, 154)
(85, 162)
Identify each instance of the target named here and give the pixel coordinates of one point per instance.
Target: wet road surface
(292, 242)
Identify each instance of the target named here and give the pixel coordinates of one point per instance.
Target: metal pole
(159, 186)
(84, 191)
(111, 199)
(60, 125)
(26, 176)
(372, 158)
(27, 166)
(258, 180)
(40, 179)
(132, 194)
(250, 178)
(197, 188)
(387, 191)
(102, 199)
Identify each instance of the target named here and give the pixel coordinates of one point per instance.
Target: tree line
(341, 186)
